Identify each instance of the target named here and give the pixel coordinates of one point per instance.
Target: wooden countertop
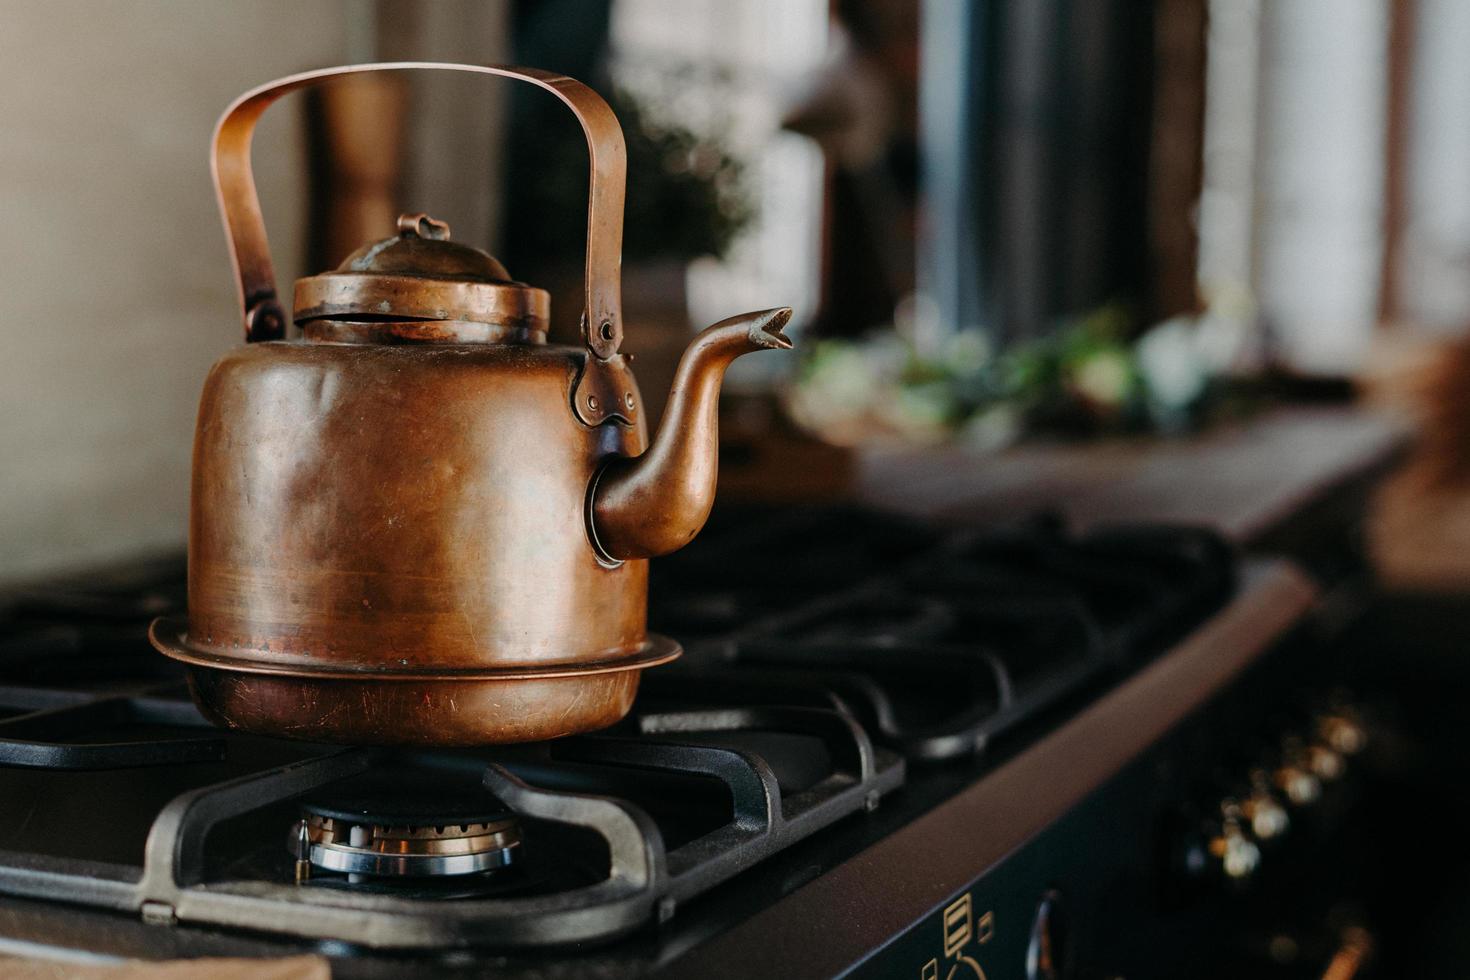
(1241, 479)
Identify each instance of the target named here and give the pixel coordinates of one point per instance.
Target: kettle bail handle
(234, 183)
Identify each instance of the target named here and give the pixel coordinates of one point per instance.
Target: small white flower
(1172, 366)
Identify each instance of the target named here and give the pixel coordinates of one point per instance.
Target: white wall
(115, 293)
(1434, 270)
(1319, 178)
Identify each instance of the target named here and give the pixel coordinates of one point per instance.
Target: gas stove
(879, 734)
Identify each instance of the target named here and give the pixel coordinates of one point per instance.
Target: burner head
(384, 851)
(405, 822)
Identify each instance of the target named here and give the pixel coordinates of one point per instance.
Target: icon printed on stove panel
(985, 928)
(957, 925)
(958, 929)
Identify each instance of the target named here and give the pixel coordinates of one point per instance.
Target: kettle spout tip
(766, 327)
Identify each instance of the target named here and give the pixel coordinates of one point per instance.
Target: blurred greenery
(1088, 378)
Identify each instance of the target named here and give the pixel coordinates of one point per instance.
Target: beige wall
(115, 293)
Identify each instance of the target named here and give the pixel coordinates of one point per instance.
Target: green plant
(686, 192)
(1086, 379)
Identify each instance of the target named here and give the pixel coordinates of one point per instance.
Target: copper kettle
(423, 524)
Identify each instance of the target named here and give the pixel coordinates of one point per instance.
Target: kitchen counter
(1247, 480)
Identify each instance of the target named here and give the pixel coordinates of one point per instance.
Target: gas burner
(381, 851)
(362, 826)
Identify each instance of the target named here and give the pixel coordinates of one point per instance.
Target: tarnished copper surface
(404, 510)
(418, 332)
(513, 305)
(424, 525)
(414, 712)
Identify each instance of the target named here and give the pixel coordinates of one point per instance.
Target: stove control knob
(1326, 763)
(1046, 953)
(1264, 813)
(1343, 732)
(1300, 785)
(1237, 854)
(1294, 777)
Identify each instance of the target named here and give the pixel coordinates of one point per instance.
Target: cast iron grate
(57, 729)
(936, 644)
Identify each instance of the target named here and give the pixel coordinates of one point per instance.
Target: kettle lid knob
(421, 225)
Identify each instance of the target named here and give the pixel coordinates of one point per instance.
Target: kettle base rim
(423, 709)
(169, 636)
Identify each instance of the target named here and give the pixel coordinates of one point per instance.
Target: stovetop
(845, 672)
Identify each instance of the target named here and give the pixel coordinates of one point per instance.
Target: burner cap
(400, 821)
(406, 852)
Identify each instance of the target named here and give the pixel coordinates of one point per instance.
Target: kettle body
(409, 512)
(421, 524)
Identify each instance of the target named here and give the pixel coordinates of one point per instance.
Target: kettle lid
(419, 286)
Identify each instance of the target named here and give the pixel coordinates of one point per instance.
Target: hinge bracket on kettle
(605, 390)
(264, 320)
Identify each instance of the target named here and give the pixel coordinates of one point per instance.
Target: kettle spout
(653, 504)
